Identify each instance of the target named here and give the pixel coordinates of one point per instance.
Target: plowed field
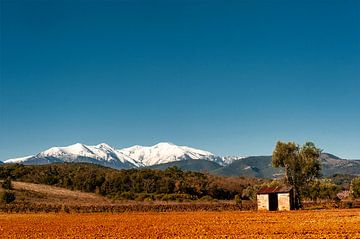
(294, 224)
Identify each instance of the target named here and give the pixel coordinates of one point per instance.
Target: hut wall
(263, 201)
(284, 201)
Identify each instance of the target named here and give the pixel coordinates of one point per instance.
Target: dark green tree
(355, 187)
(6, 184)
(8, 196)
(301, 165)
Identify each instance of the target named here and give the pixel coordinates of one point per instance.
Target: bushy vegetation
(6, 184)
(145, 185)
(322, 189)
(355, 187)
(171, 184)
(7, 196)
(131, 207)
(342, 180)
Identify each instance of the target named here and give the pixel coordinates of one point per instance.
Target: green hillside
(190, 165)
(260, 167)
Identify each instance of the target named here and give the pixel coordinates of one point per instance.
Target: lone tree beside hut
(301, 164)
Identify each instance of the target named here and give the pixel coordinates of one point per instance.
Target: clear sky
(230, 77)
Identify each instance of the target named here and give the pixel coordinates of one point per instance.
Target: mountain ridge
(130, 157)
(165, 154)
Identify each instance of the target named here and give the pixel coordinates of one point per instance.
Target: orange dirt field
(293, 224)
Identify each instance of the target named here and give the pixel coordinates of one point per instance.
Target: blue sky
(230, 77)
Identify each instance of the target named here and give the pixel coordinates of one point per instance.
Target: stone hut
(275, 198)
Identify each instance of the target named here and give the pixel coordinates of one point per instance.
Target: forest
(134, 184)
(171, 184)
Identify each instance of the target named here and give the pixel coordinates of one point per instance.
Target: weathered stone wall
(263, 201)
(284, 201)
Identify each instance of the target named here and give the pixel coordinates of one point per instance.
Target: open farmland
(294, 224)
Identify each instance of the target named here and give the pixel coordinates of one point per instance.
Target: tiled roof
(277, 189)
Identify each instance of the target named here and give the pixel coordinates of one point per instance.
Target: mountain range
(132, 157)
(164, 155)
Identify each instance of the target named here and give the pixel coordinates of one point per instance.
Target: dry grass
(44, 198)
(294, 224)
(41, 193)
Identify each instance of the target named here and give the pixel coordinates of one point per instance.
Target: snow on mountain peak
(75, 149)
(132, 157)
(18, 160)
(230, 159)
(165, 152)
(104, 145)
(100, 154)
(163, 144)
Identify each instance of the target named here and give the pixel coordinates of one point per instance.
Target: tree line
(300, 163)
(170, 184)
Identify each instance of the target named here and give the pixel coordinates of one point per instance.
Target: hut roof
(277, 189)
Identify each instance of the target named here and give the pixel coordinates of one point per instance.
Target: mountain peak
(165, 152)
(135, 156)
(104, 145)
(19, 160)
(164, 144)
(76, 145)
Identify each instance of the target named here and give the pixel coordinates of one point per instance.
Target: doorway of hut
(273, 202)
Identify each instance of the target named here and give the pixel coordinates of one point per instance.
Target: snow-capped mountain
(230, 159)
(102, 154)
(132, 157)
(166, 153)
